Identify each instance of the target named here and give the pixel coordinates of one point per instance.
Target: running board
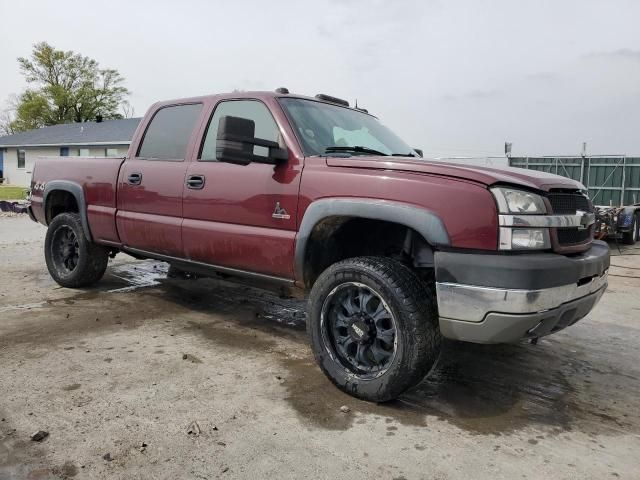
(206, 269)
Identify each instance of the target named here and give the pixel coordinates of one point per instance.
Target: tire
(389, 364)
(631, 237)
(72, 260)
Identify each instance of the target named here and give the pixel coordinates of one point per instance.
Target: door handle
(135, 179)
(195, 182)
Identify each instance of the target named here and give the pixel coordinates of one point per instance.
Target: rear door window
(168, 134)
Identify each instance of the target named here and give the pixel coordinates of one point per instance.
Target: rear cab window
(169, 132)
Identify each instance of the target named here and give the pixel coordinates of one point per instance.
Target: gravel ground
(118, 374)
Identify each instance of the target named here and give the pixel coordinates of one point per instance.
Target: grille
(572, 236)
(568, 203)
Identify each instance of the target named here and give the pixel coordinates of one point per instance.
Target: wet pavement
(141, 356)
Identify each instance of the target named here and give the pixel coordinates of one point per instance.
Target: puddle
(138, 275)
(119, 278)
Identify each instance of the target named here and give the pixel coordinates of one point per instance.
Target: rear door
(150, 185)
(242, 217)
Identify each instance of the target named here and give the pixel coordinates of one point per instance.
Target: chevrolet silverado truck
(394, 251)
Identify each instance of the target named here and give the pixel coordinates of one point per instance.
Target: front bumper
(505, 298)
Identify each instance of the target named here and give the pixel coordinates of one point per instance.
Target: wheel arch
(71, 188)
(423, 221)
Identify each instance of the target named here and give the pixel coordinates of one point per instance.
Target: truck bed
(97, 177)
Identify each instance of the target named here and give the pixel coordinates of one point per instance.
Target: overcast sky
(452, 77)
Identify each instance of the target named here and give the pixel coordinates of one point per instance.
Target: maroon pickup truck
(395, 251)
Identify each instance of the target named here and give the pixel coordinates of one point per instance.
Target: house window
(64, 151)
(111, 152)
(84, 152)
(21, 158)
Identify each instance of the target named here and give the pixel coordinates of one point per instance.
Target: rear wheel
(373, 326)
(72, 260)
(631, 237)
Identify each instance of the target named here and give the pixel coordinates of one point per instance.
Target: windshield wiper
(356, 148)
(403, 154)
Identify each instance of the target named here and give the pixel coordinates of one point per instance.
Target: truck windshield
(326, 129)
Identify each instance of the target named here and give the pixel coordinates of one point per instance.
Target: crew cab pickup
(394, 251)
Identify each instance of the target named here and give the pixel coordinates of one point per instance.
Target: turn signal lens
(524, 239)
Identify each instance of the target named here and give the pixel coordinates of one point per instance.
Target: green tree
(65, 87)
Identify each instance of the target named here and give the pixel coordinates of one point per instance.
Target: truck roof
(263, 95)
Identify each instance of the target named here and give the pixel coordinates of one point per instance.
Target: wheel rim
(65, 250)
(359, 329)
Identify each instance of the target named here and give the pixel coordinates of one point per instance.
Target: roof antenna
(356, 103)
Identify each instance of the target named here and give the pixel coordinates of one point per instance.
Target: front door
(150, 184)
(243, 217)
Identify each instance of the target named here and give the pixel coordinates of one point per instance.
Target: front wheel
(373, 326)
(72, 260)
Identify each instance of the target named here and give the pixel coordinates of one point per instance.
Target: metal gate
(611, 180)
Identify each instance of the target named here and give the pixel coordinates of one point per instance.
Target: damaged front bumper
(505, 298)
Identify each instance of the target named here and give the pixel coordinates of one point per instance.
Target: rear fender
(74, 189)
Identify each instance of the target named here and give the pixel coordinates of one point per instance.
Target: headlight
(524, 239)
(514, 203)
(518, 201)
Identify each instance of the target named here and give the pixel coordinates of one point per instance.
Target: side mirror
(236, 139)
(419, 152)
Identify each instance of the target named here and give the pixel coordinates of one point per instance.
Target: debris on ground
(193, 429)
(143, 447)
(39, 436)
(107, 457)
(13, 207)
(345, 409)
(191, 358)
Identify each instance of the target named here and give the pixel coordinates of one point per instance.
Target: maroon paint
(150, 214)
(230, 222)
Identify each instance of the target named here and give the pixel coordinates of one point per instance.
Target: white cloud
(455, 78)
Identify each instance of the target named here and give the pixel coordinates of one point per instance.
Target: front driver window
(255, 110)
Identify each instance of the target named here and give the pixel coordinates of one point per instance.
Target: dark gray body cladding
(75, 190)
(426, 223)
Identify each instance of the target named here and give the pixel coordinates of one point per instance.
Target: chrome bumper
(496, 315)
(471, 303)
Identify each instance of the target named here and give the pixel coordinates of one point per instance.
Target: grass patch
(9, 192)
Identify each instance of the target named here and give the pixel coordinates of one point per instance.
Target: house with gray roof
(18, 152)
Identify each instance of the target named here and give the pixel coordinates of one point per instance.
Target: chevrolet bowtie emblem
(586, 219)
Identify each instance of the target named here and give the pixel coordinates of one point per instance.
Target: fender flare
(425, 222)
(74, 189)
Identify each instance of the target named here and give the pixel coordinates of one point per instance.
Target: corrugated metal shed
(611, 180)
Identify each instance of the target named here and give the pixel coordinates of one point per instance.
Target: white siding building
(19, 152)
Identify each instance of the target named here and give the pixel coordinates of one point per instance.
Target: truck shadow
(482, 389)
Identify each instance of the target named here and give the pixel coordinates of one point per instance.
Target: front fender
(423, 221)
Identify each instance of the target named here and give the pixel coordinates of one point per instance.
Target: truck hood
(485, 175)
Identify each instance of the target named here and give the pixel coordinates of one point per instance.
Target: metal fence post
(624, 179)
